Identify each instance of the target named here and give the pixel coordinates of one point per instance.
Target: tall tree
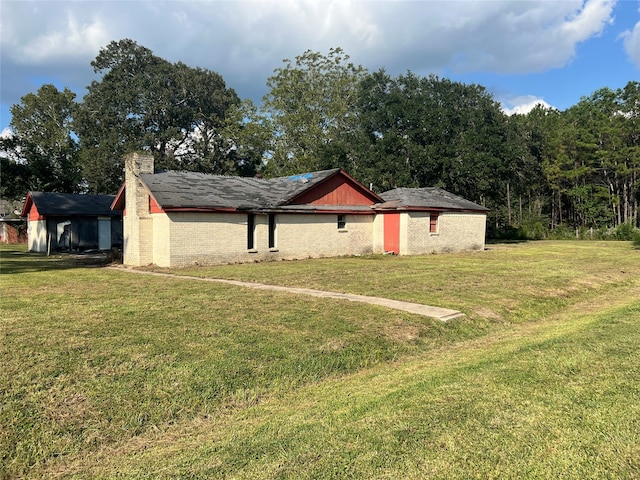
(42, 153)
(311, 107)
(249, 137)
(424, 131)
(144, 102)
(629, 99)
(594, 160)
(528, 197)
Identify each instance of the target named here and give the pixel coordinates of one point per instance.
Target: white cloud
(70, 33)
(590, 21)
(523, 104)
(497, 35)
(631, 40)
(246, 40)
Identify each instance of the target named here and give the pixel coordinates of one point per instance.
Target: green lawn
(106, 374)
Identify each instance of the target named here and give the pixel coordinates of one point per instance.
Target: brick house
(181, 218)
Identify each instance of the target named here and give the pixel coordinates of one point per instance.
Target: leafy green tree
(311, 107)
(424, 131)
(593, 162)
(248, 136)
(42, 153)
(629, 100)
(15, 175)
(144, 102)
(527, 198)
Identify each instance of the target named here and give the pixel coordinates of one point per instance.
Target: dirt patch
(91, 258)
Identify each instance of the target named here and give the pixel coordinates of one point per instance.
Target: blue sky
(523, 52)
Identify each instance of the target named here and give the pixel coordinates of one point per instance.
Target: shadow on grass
(18, 260)
(497, 241)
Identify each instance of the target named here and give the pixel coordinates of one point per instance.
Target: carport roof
(69, 204)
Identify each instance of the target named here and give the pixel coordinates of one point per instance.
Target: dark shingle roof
(199, 190)
(428, 197)
(49, 203)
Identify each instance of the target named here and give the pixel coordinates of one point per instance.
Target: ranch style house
(174, 219)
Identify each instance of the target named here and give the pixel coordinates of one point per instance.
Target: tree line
(546, 169)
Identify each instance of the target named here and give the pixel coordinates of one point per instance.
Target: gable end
(338, 189)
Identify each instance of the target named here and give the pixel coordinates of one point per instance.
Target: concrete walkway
(443, 314)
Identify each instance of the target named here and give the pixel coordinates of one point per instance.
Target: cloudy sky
(523, 52)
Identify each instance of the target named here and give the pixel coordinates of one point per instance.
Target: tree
(144, 102)
(527, 196)
(311, 106)
(594, 160)
(42, 153)
(14, 176)
(427, 131)
(629, 98)
(249, 137)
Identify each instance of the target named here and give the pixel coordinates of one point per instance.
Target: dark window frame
(251, 231)
(272, 230)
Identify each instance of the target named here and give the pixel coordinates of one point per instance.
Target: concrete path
(443, 314)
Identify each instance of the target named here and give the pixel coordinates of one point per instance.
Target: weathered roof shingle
(197, 190)
(428, 197)
(72, 204)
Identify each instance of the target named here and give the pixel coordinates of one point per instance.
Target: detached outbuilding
(68, 221)
(180, 218)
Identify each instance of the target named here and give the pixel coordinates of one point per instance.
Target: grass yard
(106, 374)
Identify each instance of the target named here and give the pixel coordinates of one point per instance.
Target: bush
(625, 231)
(636, 239)
(562, 232)
(534, 228)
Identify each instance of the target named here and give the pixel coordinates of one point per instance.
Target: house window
(272, 230)
(433, 222)
(342, 222)
(251, 229)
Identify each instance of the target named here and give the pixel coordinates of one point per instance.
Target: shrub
(562, 232)
(625, 231)
(534, 228)
(636, 239)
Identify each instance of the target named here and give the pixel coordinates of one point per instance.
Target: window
(272, 230)
(342, 222)
(433, 222)
(251, 228)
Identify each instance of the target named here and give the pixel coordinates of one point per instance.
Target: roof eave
(414, 208)
(201, 209)
(27, 205)
(119, 202)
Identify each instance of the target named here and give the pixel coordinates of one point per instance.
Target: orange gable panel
(337, 190)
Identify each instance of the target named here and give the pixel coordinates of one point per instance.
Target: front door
(104, 233)
(392, 233)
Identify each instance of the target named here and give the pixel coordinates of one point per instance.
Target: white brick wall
(185, 238)
(456, 232)
(317, 235)
(378, 234)
(137, 222)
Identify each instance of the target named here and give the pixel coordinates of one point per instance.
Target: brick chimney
(137, 223)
